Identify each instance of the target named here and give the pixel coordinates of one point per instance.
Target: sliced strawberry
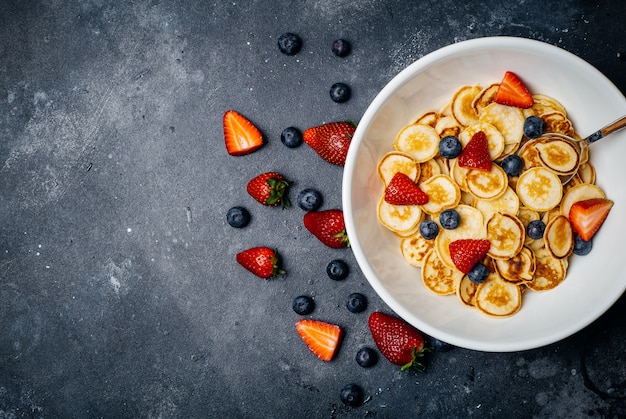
(512, 92)
(587, 216)
(475, 154)
(466, 253)
(401, 190)
(322, 338)
(240, 135)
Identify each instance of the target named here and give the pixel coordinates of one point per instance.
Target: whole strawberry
(328, 226)
(397, 340)
(269, 189)
(261, 261)
(331, 141)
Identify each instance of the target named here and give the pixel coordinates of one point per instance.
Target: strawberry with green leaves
(321, 338)
(261, 261)
(401, 190)
(240, 135)
(328, 226)
(513, 92)
(331, 140)
(398, 341)
(270, 189)
(587, 216)
(475, 154)
(466, 253)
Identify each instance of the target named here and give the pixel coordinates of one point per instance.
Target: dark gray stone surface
(119, 291)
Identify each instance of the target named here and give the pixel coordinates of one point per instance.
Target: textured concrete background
(119, 291)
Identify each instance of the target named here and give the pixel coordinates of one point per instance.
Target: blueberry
(449, 219)
(289, 43)
(291, 137)
(351, 395)
(309, 199)
(535, 229)
(356, 302)
(450, 147)
(339, 92)
(478, 274)
(429, 229)
(439, 345)
(366, 357)
(303, 305)
(337, 270)
(512, 165)
(238, 217)
(533, 127)
(341, 47)
(581, 247)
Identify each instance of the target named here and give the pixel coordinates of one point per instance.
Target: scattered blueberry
(450, 147)
(439, 345)
(581, 247)
(356, 303)
(449, 219)
(341, 47)
(533, 126)
(535, 229)
(340, 92)
(289, 43)
(512, 165)
(303, 305)
(478, 274)
(309, 199)
(291, 137)
(238, 217)
(351, 395)
(366, 357)
(337, 270)
(429, 229)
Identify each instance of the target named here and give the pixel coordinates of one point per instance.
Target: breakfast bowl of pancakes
(531, 289)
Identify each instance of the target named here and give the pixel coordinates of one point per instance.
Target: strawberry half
(476, 155)
(401, 190)
(466, 253)
(269, 189)
(261, 261)
(331, 141)
(398, 341)
(513, 92)
(587, 216)
(322, 338)
(328, 226)
(240, 135)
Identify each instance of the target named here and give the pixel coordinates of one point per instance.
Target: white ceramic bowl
(594, 282)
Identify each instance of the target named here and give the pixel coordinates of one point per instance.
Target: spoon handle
(616, 125)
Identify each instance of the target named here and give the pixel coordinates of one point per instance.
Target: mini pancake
(543, 104)
(401, 219)
(428, 169)
(443, 193)
(507, 203)
(429, 118)
(587, 173)
(559, 237)
(498, 298)
(495, 140)
(415, 248)
(471, 225)
(539, 189)
(418, 140)
(466, 291)
(397, 161)
(509, 120)
(558, 155)
(506, 234)
(577, 193)
(487, 185)
(557, 122)
(518, 269)
(447, 125)
(485, 97)
(529, 155)
(461, 105)
(526, 215)
(549, 271)
(459, 174)
(437, 277)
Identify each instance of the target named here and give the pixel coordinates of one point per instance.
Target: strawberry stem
(343, 236)
(415, 354)
(278, 190)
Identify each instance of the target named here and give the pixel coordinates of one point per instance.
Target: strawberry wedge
(587, 216)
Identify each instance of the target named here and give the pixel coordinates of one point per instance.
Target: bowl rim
(388, 90)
